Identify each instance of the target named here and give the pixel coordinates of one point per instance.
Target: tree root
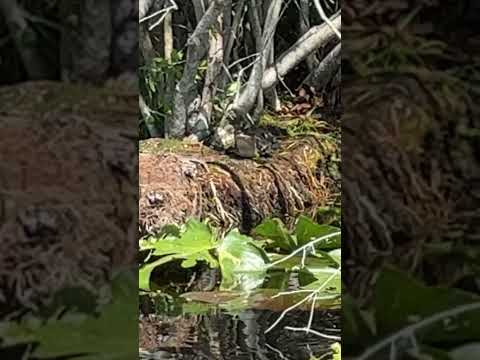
(232, 192)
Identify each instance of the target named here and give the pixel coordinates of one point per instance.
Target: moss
(294, 125)
(156, 146)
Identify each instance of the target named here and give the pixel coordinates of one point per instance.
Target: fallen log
(192, 181)
(68, 189)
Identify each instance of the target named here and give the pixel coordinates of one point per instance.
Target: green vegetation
(426, 318)
(417, 297)
(154, 76)
(257, 270)
(103, 331)
(244, 261)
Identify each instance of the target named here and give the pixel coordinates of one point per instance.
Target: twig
(410, 330)
(300, 249)
(314, 332)
(217, 201)
(309, 297)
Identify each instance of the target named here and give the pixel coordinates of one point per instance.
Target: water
(205, 332)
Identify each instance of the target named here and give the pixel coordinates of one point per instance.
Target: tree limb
(315, 38)
(26, 41)
(185, 91)
(250, 93)
(326, 69)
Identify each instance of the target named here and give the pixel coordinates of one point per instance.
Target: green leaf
(358, 326)
(337, 351)
(331, 259)
(328, 279)
(194, 245)
(145, 271)
(196, 237)
(110, 335)
(243, 264)
(170, 230)
(401, 301)
(307, 230)
(274, 229)
(233, 88)
(336, 255)
(295, 262)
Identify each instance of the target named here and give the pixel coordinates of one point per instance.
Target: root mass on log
(175, 186)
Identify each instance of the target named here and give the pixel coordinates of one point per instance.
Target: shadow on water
(199, 331)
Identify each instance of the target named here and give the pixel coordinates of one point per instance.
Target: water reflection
(218, 335)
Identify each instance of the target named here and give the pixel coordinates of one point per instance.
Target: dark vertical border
(68, 179)
(410, 169)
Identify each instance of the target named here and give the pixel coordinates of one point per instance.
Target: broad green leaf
(295, 262)
(329, 280)
(279, 280)
(334, 261)
(243, 264)
(170, 230)
(358, 326)
(197, 237)
(106, 336)
(337, 351)
(336, 255)
(401, 301)
(196, 257)
(307, 230)
(193, 245)
(274, 229)
(145, 272)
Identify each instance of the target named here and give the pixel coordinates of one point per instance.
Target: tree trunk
(86, 40)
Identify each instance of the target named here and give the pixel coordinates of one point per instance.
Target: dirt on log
(192, 181)
(68, 189)
(408, 180)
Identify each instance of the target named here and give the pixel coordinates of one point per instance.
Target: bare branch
(326, 69)
(315, 38)
(33, 61)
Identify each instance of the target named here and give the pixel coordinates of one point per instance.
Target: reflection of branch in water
(313, 294)
(313, 297)
(250, 319)
(274, 349)
(409, 332)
